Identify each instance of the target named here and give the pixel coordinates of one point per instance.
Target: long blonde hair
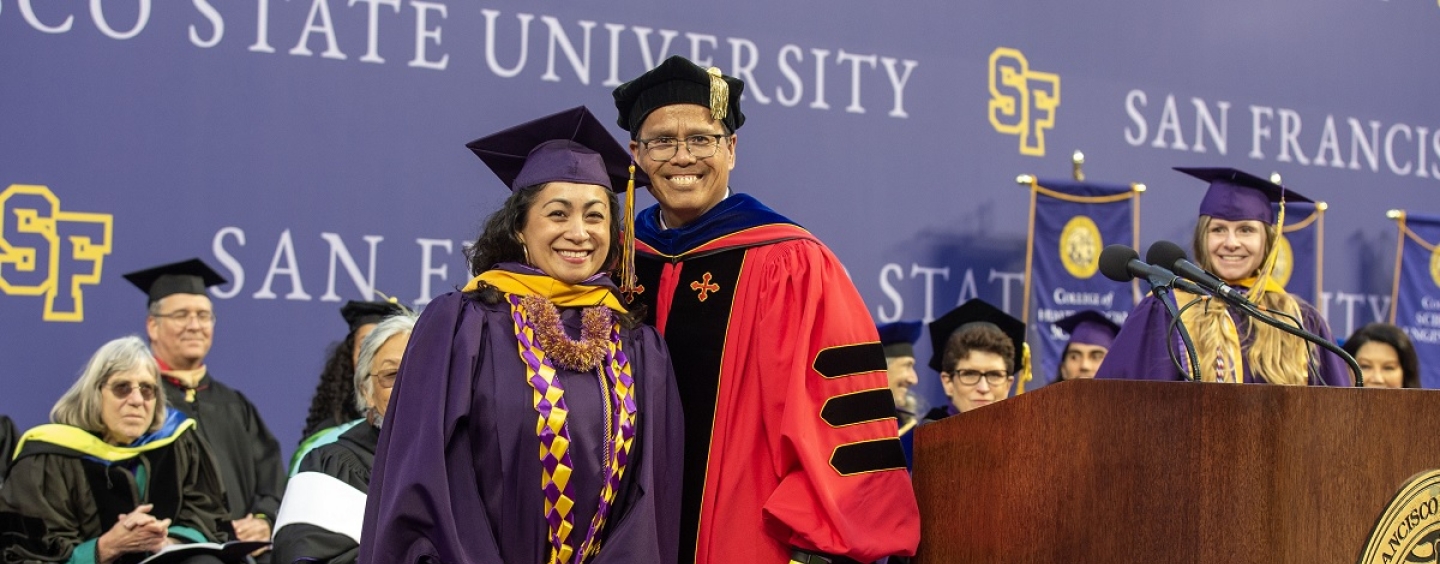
(1273, 355)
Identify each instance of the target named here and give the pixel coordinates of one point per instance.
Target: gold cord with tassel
(1268, 267)
(719, 94)
(1025, 374)
(627, 249)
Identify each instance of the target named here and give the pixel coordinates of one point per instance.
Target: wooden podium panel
(1127, 471)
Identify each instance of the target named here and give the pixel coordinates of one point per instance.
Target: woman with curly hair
(332, 408)
(533, 419)
(333, 403)
(321, 515)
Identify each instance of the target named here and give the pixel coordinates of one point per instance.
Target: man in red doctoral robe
(791, 449)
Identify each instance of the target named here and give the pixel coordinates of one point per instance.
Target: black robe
(64, 497)
(348, 461)
(8, 436)
(247, 454)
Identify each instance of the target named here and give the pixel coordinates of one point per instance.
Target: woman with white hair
(324, 506)
(115, 476)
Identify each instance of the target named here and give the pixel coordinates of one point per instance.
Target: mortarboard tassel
(719, 94)
(393, 300)
(627, 238)
(1025, 375)
(1262, 282)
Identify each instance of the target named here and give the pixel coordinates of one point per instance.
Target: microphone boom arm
(1250, 309)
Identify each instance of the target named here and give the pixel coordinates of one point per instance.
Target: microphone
(1121, 263)
(1166, 253)
(1170, 255)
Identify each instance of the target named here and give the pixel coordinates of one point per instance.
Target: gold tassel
(394, 300)
(1268, 267)
(1025, 375)
(627, 238)
(719, 94)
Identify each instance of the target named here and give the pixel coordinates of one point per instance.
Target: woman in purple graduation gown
(1235, 239)
(533, 420)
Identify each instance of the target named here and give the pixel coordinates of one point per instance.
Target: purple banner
(1298, 267)
(1073, 221)
(1417, 287)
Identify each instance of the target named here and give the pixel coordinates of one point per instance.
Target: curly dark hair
(1397, 339)
(979, 337)
(499, 243)
(334, 399)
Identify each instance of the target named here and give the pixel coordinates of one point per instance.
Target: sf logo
(1022, 101)
(48, 252)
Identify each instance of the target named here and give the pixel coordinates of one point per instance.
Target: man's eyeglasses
(662, 149)
(972, 377)
(183, 317)
(123, 390)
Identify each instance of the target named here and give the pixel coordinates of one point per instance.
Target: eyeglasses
(386, 380)
(123, 390)
(662, 149)
(972, 377)
(183, 317)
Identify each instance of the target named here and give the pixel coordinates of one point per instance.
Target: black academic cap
(975, 311)
(679, 81)
(899, 338)
(191, 276)
(357, 313)
(568, 146)
(1236, 195)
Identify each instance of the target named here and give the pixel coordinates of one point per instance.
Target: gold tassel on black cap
(719, 94)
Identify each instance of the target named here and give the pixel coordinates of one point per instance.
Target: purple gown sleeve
(1333, 369)
(650, 529)
(1141, 350)
(424, 504)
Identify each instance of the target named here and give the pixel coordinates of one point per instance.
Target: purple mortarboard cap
(569, 146)
(975, 312)
(1089, 327)
(190, 276)
(1236, 195)
(899, 338)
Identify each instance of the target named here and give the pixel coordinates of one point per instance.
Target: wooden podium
(1125, 471)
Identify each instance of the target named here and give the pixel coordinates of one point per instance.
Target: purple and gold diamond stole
(617, 385)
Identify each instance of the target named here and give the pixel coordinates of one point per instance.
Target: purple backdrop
(302, 145)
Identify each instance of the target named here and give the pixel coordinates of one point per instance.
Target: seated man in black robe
(181, 325)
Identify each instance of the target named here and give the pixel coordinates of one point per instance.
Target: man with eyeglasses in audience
(791, 449)
(979, 350)
(181, 325)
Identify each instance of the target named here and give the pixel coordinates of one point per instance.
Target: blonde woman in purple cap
(533, 420)
(1236, 240)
